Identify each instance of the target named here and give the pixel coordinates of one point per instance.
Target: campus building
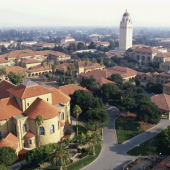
(19, 110)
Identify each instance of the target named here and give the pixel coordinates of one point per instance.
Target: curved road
(113, 156)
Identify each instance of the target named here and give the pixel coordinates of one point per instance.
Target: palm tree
(77, 111)
(109, 62)
(25, 75)
(39, 120)
(71, 67)
(101, 60)
(87, 62)
(44, 64)
(64, 68)
(95, 139)
(94, 60)
(50, 63)
(60, 156)
(21, 61)
(54, 66)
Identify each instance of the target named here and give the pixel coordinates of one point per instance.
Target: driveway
(114, 156)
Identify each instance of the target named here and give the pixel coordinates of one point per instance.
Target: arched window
(41, 131)
(30, 142)
(24, 127)
(143, 57)
(58, 125)
(137, 57)
(149, 59)
(62, 116)
(52, 129)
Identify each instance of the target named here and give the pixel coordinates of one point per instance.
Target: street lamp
(160, 155)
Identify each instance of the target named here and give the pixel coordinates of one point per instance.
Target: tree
(71, 67)
(39, 120)
(2, 70)
(97, 117)
(64, 68)
(95, 139)
(151, 110)
(109, 62)
(87, 62)
(77, 111)
(127, 104)
(94, 60)
(7, 155)
(54, 66)
(117, 78)
(44, 64)
(141, 97)
(92, 46)
(50, 63)
(60, 156)
(14, 78)
(23, 74)
(101, 61)
(137, 83)
(3, 167)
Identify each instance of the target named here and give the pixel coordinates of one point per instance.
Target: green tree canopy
(127, 104)
(7, 155)
(117, 79)
(149, 111)
(141, 97)
(3, 167)
(14, 78)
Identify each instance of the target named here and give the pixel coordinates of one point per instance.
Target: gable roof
(29, 134)
(45, 109)
(59, 97)
(105, 81)
(21, 91)
(4, 85)
(147, 50)
(9, 140)
(162, 101)
(8, 108)
(15, 69)
(71, 88)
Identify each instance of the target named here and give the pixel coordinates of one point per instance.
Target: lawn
(82, 163)
(145, 148)
(126, 129)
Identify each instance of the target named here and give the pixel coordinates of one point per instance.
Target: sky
(15, 13)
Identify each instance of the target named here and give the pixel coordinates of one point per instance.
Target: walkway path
(114, 156)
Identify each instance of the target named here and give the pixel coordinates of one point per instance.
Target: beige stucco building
(19, 111)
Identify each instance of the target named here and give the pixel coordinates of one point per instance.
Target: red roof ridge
(29, 134)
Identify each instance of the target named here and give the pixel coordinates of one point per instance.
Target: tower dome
(126, 14)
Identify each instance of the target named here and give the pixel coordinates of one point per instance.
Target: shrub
(83, 154)
(67, 141)
(84, 150)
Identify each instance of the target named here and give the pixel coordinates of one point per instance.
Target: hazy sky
(83, 12)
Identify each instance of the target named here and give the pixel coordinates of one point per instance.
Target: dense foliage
(68, 80)
(7, 155)
(148, 112)
(14, 78)
(155, 88)
(117, 78)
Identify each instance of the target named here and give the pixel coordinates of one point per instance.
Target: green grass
(145, 148)
(127, 129)
(80, 130)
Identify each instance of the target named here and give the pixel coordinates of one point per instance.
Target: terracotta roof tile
(30, 61)
(162, 101)
(59, 97)
(39, 68)
(62, 124)
(45, 109)
(94, 66)
(29, 134)
(167, 84)
(105, 81)
(23, 92)
(4, 85)
(71, 88)
(3, 60)
(15, 69)
(147, 50)
(8, 108)
(9, 140)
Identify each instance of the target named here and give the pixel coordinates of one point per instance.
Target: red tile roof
(162, 101)
(62, 124)
(15, 69)
(9, 140)
(94, 66)
(3, 60)
(164, 165)
(71, 88)
(147, 50)
(4, 85)
(123, 71)
(8, 108)
(167, 85)
(23, 92)
(59, 97)
(45, 109)
(29, 134)
(39, 68)
(30, 61)
(59, 67)
(105, 81)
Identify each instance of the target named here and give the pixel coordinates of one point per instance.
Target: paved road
(113, 156)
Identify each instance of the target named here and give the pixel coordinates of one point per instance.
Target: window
(24, 127)
(30, 142)
(47, 99)
(52, 129)
(15, 128)
(28, 104)
(0, 135)
(62, 116)
(58, 125)
(41, 131)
